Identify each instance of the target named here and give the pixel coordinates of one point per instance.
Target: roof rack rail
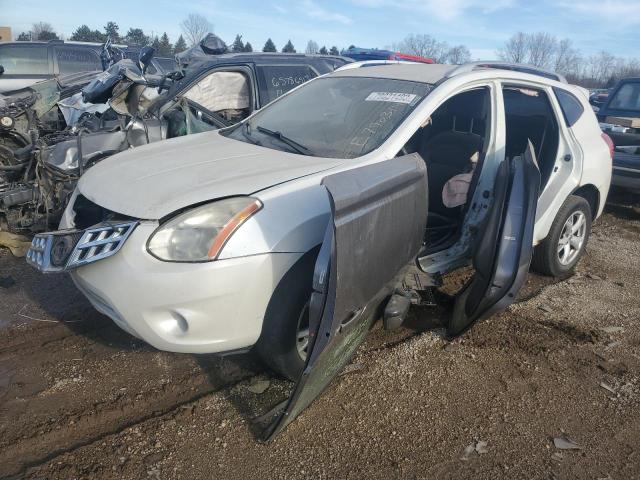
(516, 67)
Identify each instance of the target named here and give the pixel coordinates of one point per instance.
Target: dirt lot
(81, 399)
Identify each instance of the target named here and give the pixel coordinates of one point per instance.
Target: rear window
(627, 97)
(24, 59)
(571, 107)
(276, 80)
(74, 60)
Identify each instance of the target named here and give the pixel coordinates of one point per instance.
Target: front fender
(293, 219)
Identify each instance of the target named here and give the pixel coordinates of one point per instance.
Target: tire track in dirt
(98, 425)
(77, 388)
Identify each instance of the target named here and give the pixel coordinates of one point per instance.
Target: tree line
(543, 50)
(540, 49)
(427, 46)
(134, 36)
(194, 28)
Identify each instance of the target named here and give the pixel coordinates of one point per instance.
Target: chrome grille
(65, 250)
(100, 242)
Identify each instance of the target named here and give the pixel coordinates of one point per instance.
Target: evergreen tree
(47, 35)
(237, 45)
(248, 47)
(111, 30)
(269, 46)
(165, 48)
(324, 51)
(180, 45)
(136, 36)
(155, 44)
(334, 51)
(84, 34)
(24, 37)
(289, 48)
(351, 47)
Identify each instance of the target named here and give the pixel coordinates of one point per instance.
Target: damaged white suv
(289, 230)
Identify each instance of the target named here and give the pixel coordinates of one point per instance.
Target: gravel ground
(81, 399)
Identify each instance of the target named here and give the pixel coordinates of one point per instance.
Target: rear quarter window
(74, 60)
(276, 80)
(571, 107)
(24, 59)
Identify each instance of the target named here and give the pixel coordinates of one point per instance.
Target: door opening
(530, 117)
(452, 143)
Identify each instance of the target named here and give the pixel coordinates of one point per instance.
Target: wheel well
(592, 195)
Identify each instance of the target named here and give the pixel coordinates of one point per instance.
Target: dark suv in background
(26, 63)
(620, 118)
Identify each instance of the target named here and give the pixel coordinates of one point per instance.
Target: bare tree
(312, 48)
(43, 31)
(423, 46)
(458, 55)
(515, 50)
(544, 50)
(541, 49)
(568, 60)
(601, 67)
(195, 27)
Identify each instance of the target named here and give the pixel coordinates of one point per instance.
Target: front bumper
(209, 307)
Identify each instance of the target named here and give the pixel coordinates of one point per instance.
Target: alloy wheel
(572, 238)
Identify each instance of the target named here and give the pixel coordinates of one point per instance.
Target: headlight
(199, 234)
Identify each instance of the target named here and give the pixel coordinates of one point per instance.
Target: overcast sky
(481, 25)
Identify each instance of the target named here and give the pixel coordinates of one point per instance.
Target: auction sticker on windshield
(395, 97)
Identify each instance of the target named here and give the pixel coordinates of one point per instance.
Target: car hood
(152, 181)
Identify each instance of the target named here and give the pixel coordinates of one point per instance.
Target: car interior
(529, 116)
(226, 95)
(452, 143)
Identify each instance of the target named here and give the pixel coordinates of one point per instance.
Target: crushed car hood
(152, 181)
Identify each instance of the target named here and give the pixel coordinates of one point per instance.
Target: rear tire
(279, 345)
(558, 254)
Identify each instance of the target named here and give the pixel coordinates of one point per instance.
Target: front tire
(283, 343)
(558, 254)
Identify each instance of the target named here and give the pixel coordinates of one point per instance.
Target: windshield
(627, 97)
(336, 117)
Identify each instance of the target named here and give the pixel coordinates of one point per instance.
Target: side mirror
(144, 57)
(1, 69)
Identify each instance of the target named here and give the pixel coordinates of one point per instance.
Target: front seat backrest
(447, 154)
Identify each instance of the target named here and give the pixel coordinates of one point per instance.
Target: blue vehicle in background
(366, 54)
(620, 119)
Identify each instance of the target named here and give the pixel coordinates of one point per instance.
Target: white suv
(289, 230)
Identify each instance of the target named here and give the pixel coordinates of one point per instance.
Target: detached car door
(379, 215)
(504, 244)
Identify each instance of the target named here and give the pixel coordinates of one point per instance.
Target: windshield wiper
(246, 132)
(298, 147)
